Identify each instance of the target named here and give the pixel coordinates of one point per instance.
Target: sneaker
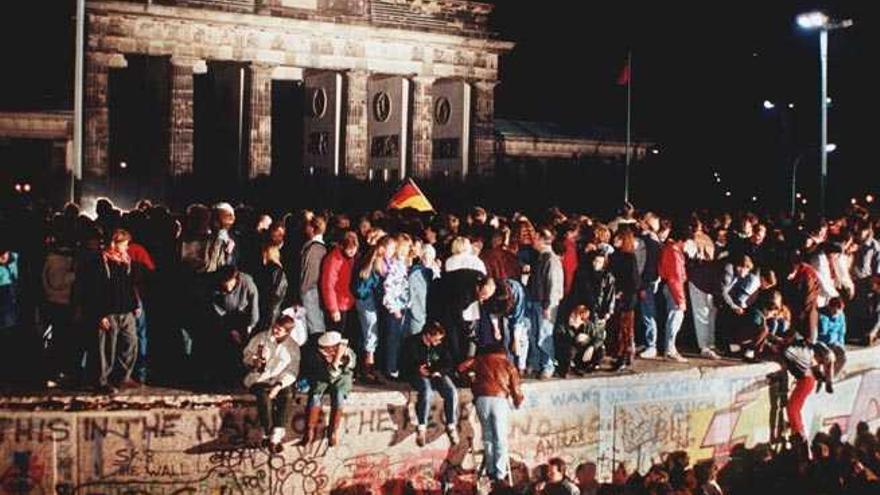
(649, 353)
(709, 354)
(675, 356)
(420, 436)
(452, 433)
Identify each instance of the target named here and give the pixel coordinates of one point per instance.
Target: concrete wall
(199, 444)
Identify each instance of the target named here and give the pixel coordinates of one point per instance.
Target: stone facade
(422, 41)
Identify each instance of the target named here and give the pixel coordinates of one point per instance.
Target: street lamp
(821, 22)
(768, 105)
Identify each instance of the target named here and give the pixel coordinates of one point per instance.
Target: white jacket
(282, 360)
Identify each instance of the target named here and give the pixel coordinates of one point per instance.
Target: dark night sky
(698, 86)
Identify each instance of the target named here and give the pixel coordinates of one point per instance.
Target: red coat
(335, 281)
(671, 269)
(569, 264)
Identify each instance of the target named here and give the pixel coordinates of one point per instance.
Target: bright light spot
(655, 151)
(123, 165)
(830, 147)
(853, 201)
(754, 54)
(791, 105)
(828, 100)
(18, 188)
(727, 193)
(718, 180)
(768, 105)
(804, 201)
(798, 195)
(869, 198)
(26, 187)
(812, 20)
(754, 199)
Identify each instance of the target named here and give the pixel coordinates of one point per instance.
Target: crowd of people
(826, 466)
(321, 300)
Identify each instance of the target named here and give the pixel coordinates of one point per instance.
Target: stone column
(423, 126)
(96, 136)
(356, 136)
(181, 125)
(484, 128)
(260, 108)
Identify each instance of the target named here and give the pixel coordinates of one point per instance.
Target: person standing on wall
(313, 253)
(496, 382)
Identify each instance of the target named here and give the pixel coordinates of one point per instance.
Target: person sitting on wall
(330, 368)
(273, 360)
(580, 342)
(426, 365)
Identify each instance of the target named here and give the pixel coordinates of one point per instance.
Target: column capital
(107, 60)
(484, 85)
(198, 65)
(425, 80)
(263, 67)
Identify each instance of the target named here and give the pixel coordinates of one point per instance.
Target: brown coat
(495, 377)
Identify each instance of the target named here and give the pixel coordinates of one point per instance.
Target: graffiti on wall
(216, 450)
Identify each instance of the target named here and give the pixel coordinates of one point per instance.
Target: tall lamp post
(821, 22)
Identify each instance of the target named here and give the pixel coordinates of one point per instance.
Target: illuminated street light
(830, 147)
(798, 195)
(853, 201)
(804, 201)
(869, 198)
(791, 105)
(754, 199)
(768, 105)
(26, 187)
(819, 21)
(727, 193)
(18, 188)
(123, 165)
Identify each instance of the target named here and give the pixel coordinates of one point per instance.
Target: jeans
(425, 388)
(273, 413)
(369, 320)
(541, 349)
(117, 348)
(705, 314)
(311, 300)
(494, 413)
(140, 365)
(648, 316)
(393, 338)
(674, 319)
(521, 340)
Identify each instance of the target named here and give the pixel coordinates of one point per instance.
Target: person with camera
(427, 367)
(272, 358)
(329, 369)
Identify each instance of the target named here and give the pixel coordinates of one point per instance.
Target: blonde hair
(272, 253)
(460, 245)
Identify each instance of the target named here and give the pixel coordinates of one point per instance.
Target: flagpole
(628, 122)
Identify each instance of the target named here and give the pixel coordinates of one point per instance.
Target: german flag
(410, 196)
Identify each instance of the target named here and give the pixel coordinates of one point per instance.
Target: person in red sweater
(335, 284)
(671, 269)
(569, 256)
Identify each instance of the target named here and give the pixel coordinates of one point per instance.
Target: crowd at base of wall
(209, 444)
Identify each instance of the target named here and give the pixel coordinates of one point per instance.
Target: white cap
(330, 339)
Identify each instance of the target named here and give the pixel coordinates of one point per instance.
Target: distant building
(231, 90)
